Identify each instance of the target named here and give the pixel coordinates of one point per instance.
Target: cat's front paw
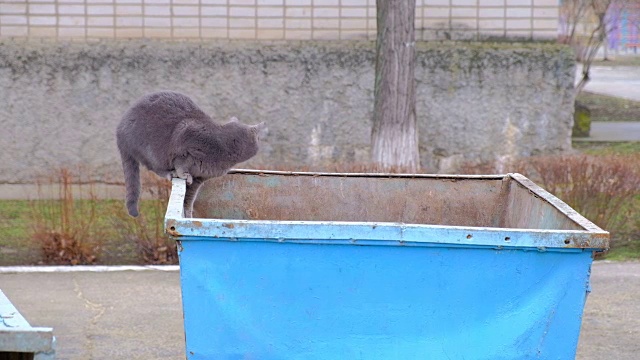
(187, 177)
(182, 175)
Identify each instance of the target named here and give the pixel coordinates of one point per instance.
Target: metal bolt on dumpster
(287, 265)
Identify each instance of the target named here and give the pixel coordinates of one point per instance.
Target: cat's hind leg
(190, 195)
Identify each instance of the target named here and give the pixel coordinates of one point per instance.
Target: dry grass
(71, 226)
(147, 230)
(609, 108)
(67, 230)
(605, 189)
(601, 188)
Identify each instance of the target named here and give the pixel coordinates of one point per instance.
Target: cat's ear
(233, 119)
(260, 130)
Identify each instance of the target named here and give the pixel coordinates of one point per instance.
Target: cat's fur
(169, 134)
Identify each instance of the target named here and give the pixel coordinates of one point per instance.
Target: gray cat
(169, 134)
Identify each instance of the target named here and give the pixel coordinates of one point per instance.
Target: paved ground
(103, 316)
(620, 81)
(611, 321)
(613, 131)
(137, 314)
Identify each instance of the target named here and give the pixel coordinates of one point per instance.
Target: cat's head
(259, 130)
(245, 138)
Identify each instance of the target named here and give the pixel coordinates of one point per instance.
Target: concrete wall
(60, 102)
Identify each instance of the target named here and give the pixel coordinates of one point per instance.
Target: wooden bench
(20, 341)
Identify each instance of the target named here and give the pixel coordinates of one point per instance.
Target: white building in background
(271, 19)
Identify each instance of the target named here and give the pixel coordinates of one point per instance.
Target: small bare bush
(601, 188)
(604, 189)
(147, 230)
(66, 229)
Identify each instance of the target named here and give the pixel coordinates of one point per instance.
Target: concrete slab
(138, 314)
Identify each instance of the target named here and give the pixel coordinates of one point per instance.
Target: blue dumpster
(358, 266)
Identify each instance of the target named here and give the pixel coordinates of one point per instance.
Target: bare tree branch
(593, 17)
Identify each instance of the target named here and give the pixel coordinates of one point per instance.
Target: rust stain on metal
(348, 198)
(197, 224)
(252, 214)
(498, 201)
(594, 240)
(171, 229)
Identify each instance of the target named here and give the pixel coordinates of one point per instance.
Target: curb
(85, 268)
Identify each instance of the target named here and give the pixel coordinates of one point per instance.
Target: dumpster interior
(478, 201)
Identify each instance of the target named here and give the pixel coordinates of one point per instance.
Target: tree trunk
(394, 137)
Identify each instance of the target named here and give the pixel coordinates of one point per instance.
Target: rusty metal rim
(400, 243)
(557, 203)
(369, 175)
(591, 238)
(381, 233)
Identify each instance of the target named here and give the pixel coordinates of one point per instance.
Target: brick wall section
(271, 19)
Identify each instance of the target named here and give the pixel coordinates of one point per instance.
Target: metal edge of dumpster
(561, 206)
(591, 237)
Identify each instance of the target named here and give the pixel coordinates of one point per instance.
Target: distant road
(619, 81)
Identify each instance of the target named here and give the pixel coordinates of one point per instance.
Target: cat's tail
(131, 182)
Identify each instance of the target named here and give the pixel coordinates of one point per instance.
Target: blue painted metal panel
(290, 301)
(268, 289)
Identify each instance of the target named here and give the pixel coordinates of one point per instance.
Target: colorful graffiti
(622, 21)
(623, 24)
